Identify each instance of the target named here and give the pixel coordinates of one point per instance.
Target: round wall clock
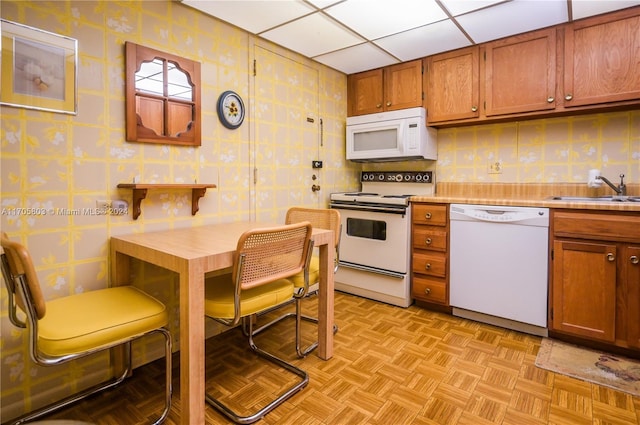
(230, 109)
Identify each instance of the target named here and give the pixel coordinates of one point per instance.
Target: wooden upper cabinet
(602, 59)
(403, 86)
(452, 88)
(365, 92)
(521, 73)
(385, 89)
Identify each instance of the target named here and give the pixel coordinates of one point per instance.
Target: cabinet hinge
(255, 68)
(422, 69)
(552, 255)
(484, 54)
(422, 95)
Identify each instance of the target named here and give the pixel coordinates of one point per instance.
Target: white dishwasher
(498, 265)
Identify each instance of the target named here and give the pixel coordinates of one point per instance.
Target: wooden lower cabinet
(584, 289)
(595, 277)
(430, 254)
(631, 260)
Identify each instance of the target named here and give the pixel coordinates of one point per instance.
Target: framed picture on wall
(39, 69)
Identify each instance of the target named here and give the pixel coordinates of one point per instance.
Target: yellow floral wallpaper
(552, 150)
(63, 164)
(297, 113)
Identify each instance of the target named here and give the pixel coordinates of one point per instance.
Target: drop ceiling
(358, 35)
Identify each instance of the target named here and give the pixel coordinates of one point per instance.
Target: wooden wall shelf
(140, 192)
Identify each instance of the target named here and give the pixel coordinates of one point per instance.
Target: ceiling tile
(384, 18)
(312, 35)
(458, 7)
(357, 58)
(333, 32)
(253, 15)
(584, 8)
(323, 3)
(511, 18)
(424, 41)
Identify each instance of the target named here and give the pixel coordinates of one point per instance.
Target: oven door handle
(372, 269)
(369, 208)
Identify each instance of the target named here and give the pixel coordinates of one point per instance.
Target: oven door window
(368, 229)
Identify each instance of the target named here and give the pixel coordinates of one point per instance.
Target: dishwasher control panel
(501, 214)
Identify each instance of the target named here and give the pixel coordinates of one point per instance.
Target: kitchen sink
(595, 198)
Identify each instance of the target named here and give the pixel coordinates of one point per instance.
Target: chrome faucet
(621, 189)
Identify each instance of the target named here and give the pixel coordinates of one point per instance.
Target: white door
(286, 135)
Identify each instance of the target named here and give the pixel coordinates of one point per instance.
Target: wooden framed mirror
(162, 97)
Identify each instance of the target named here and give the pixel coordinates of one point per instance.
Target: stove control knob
(399, 177)
(426, 178)
(407, 177)
(381, 177)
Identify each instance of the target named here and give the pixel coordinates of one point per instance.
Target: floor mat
(605, 369)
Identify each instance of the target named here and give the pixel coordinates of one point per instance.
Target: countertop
(528, 195)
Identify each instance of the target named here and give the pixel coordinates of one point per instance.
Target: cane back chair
(79, 325)
(323, 219)
(264, 260)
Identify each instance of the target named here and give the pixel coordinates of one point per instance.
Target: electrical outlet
(102, 205)
(495, 167)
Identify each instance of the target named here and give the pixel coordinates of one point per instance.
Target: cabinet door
(403, 86)
(631, 261)
(521, 73)
(584, 289)
(601, 59)
(452, 92)
(364, 92)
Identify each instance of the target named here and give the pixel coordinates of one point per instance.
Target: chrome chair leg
(108, 385)
(299, 317)
(249, 419)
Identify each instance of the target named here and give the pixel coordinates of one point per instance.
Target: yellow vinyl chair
(323, 219)
(264, 260)
(78, 325)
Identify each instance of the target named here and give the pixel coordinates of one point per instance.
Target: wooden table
(192, 252)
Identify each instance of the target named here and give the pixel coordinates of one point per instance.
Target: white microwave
(391, 136)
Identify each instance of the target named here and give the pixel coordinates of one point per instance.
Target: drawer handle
(428, 241)
(427, 266)
(634, 259)
(569, 96)
(427, 291)
(550, 99)
(611, 257)
(427, 216)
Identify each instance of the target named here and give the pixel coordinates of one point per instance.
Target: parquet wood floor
(390, 366)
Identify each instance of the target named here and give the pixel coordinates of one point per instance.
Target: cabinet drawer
(615, 227)
(428, 238)
(430, 264)
(434, 215)
(429, 290)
